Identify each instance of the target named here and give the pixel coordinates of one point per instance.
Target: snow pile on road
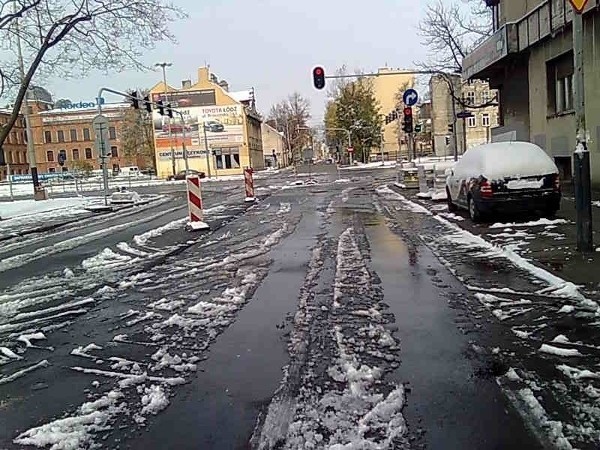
(372, 165)
(338, 399)
(76, 432)
(154, 400)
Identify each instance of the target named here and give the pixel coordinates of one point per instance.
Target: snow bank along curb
(556, 285)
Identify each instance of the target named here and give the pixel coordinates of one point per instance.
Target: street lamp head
(163, 64)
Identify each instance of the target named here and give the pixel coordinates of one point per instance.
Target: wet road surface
(315, 317)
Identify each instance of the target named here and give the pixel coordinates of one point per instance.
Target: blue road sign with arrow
(410, 97)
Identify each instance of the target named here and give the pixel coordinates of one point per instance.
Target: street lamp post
(164, 66)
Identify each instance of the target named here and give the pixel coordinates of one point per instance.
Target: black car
(182, 175)
(504, 177)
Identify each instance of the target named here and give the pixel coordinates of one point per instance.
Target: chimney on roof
(225, 85)
(186, 84)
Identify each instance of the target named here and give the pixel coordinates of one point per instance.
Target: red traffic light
(319, 77)
(408, 111)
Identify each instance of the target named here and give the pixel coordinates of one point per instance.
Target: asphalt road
(316, 317)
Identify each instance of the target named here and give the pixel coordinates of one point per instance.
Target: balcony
(494, 50)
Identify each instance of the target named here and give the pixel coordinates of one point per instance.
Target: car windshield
(299, 225)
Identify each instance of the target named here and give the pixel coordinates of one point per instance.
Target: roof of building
(241, 96)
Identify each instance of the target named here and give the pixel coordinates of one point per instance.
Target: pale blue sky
(272, 45)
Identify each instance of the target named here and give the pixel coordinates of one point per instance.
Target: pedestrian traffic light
(169, 111)
(407, 126)
(148, 103)
(418, 128)
(319, 77)
(135, 101)
(160, 107)
(450, 128)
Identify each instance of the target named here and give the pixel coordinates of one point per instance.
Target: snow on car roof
(500, 160)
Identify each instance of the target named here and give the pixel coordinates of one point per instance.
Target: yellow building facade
(388, 88)
(221, 130)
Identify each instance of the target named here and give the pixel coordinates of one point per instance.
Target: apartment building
(67, 134)
(451, 95)
(221, 130)
(14, 147)
(529, 60)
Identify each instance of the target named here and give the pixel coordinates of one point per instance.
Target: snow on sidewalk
(58, 206)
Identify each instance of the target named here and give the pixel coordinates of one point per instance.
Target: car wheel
(451, 206)
(550, 212)
(474, 212)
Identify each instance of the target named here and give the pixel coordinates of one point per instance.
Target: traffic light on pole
(450, 128)
(160, 107)
(169, 111)
(148, 103)
(319, 77)
(135, 101)
(407, 126)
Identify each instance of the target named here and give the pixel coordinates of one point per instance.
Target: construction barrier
(195, 203)
(249, 185)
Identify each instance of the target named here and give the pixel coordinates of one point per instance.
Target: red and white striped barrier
(195, 203)
(249, 185)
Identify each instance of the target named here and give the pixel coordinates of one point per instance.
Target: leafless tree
(451, 30)
(289, 117)
(69, 38)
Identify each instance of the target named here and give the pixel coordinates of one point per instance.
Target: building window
(113, 152)
(86, 134)
(50, 156)
(472, 121)
(73, 134)
(485, 97)
(485, 119)
(88, 153)
(112, 133)
(47, 137)
(75, 154)
(52, 169)
(228, 159)
(559, 75)
(471, 97)
(62, 154)
(60, 135)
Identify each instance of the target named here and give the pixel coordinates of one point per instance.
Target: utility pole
(164, 66)
(208, 152)
(38, 194)
(583, 191)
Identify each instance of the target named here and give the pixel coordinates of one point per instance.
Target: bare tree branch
(449, 32)
(68, 38)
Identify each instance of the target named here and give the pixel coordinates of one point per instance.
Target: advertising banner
(220, 126)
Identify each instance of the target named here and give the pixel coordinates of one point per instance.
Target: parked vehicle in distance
(181, 175)
(129, 171)
(504, 177)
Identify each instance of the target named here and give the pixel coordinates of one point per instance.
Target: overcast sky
(272, 45)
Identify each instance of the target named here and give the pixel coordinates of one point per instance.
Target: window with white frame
(472, 121)
(485, 119)
(485, 97)
(559, 75)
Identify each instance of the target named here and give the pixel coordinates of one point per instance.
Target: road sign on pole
(464, 114)
(578, 5)
(100, 125)
(410, 97)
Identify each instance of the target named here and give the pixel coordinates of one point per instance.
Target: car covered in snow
(504, 177)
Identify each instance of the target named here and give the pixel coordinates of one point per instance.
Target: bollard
(249, 185)
(196, 215)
